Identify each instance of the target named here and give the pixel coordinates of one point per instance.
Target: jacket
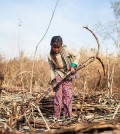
(62, 63)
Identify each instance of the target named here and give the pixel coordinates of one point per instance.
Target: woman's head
(56, 44)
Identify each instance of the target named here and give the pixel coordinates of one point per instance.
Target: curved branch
(91, 59)
(103, 67)
(96, 40)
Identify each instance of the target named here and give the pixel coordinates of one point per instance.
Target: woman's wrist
(73, 65)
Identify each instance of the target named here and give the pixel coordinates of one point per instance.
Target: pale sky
(68, 20)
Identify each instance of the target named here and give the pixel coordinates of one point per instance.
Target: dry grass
(17, 72)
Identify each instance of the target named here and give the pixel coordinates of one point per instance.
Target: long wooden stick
(32, 72)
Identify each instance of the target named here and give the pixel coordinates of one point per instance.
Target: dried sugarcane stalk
(48, 128)
(83, 99)
(20, 54)
(33, 129)
(14, 113)
(1, 83)
(116, 110)
(84, 90)
(108, 75)
(111, 80)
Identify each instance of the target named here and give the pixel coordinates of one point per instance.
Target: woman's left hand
(72, 70)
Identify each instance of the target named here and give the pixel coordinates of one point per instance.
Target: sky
(24, 22)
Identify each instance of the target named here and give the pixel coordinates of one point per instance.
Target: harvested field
(27, 109)
(22, 112)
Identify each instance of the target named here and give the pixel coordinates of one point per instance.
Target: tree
(116, 9)
(111, 30)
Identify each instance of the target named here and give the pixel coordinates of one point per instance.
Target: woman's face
(56, 48)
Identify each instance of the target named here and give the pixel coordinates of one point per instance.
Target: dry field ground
(26, 107)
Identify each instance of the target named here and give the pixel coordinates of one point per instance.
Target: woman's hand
(73, 67)
(72, 70)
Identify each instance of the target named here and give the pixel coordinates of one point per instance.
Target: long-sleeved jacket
(61, 71)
